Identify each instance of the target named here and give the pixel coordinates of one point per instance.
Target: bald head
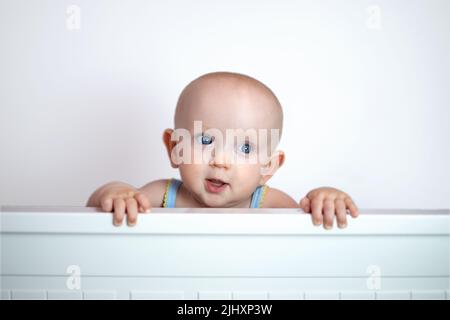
(228, 100)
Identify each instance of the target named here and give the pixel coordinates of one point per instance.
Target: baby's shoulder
(155, 191)
(275, 198)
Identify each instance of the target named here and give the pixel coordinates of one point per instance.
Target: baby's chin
(211, 200)
(215, 201)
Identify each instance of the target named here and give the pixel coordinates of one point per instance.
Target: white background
(366, 97)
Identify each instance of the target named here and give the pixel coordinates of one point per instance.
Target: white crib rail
(76, 253)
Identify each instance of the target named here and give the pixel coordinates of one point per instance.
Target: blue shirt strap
(171, 193)
(258, 196)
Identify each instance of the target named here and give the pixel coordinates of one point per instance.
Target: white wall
(366, 108)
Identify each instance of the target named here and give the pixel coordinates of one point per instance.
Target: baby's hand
(124, 200)
(328, 202)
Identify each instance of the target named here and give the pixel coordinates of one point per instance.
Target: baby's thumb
(144, 202)
(305, 204)
(107, 204)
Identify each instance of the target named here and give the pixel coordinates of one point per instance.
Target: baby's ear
(274, 163)
(167, 134)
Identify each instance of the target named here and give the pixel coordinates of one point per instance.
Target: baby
(227, 128)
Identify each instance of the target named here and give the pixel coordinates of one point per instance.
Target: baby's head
(230, 125)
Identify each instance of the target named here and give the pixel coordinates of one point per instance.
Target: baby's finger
(354, 212)
(316, 207)
(305, 204)
(119, 211)
(132, 211)
(328, 213)
(107, 204)
(341, 213)
(143, 202)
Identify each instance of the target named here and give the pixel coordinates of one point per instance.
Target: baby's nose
(221, 158)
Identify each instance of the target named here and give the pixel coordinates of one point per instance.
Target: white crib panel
(393, 295)
(428, 295)
(28, 294)
(64, 295)
(215, 254)
(215, 295)
(156, 295)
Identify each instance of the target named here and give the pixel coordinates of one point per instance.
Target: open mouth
(215, 185)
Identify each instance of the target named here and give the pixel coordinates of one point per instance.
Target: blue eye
(204, 139)
(246, 148)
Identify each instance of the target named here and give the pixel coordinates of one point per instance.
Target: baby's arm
(122, 198)
(275, 198)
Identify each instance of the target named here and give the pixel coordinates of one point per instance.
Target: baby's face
(224, 118)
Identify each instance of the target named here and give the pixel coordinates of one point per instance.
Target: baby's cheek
(191, 173)
(248, 176)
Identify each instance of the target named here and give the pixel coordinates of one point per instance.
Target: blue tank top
(174, 184)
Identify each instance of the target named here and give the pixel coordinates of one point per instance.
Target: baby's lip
(217, 180)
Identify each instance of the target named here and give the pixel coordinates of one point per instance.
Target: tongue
(217, 183)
